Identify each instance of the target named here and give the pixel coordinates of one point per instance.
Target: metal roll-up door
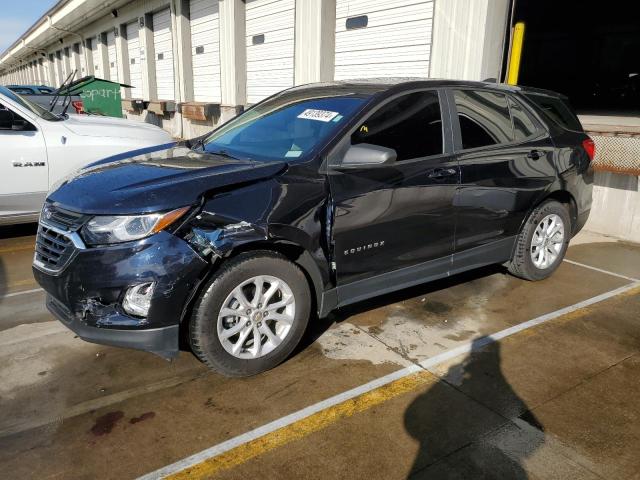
(383, 39)
(58, 65)
(135, 61)
(205, 49)
(270, 47)
(112, 53)
(96, 58)
(163, 44)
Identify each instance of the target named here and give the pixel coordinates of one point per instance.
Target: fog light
(137, 300)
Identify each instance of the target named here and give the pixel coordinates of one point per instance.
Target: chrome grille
(61, 218)
(57, 240)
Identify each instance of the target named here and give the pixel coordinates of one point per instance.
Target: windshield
(283, 128)
(32, 107)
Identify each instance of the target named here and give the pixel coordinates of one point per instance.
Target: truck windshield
(283, 128)
(32, 107)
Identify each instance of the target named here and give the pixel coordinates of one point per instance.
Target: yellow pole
(516, 53)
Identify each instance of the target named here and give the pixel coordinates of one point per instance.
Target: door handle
(534, 154)
(439, 173)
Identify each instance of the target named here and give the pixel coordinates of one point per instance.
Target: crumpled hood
(98, 126)
(162, 180)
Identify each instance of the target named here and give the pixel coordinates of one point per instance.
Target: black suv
(317, 197)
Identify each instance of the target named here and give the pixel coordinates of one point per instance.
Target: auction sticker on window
(320, 115)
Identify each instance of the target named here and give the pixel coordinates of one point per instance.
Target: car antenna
(54, 100)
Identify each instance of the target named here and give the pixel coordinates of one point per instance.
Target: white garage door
(78, 61)
(270, 47)
(112, 52)
(383, 39)
(162, 42)
(97, 59)
(135, 61)
(205, 49)
(65, 64)
(59, 73)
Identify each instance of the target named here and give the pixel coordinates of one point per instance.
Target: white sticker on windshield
(320, 115)
(293, 153)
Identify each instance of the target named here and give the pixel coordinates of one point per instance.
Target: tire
(226, 343)
(526, 262)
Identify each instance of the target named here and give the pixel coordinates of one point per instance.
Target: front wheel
(542, 243)
(251, 315)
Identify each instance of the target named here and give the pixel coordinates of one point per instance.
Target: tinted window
(558, 110)
(523, 124)
(411, 125)
(484, 118)
(45, 90)
(22, 90)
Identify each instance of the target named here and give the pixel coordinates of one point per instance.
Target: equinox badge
(364, 248)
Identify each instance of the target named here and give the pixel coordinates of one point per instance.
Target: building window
(258, 39)
(357, 22)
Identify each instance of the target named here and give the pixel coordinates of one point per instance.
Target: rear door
(394, 224)
(506, 163)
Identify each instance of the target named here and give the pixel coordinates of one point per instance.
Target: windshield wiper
(224, 153)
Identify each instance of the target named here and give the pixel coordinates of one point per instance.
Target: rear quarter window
(557, 110)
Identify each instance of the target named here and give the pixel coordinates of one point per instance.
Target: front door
(394, 225)
(23, 165)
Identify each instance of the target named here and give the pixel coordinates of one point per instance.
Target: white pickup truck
(38, 148)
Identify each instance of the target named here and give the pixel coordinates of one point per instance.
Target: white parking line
(427, 364)
(24, 292)
(602, 271)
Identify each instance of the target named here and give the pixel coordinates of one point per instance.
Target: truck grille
(57, 240)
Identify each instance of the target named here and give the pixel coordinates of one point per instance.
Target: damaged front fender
(218, 241)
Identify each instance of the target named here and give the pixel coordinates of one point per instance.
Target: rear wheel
(543, 242)
(251, 315)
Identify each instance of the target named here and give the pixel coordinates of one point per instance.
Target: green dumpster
(99, 97)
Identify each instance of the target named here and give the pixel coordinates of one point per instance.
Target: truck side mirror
(20, 124)
(366, 155)
(6, 119)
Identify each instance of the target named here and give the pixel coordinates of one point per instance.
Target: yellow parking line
(304, 427)
(16, 249)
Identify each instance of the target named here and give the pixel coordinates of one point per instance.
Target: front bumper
(162, 341)
(87, 294)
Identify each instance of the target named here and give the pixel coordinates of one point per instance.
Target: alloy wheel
(256, 317)
(547, 241)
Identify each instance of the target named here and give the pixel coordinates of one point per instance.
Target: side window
(22, 90)
(410, 124)
(45, 90)
(484, 118)
(523, 124)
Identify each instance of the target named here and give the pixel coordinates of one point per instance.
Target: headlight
(105, 229)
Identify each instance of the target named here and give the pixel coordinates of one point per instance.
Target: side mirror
(365, 155)
(19, 124)
(6, 119)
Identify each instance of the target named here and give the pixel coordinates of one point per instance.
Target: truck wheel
(251, 314)
(542, 243)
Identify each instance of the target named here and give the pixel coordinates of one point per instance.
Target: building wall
(453, 38)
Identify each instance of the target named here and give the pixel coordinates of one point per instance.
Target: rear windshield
(557, 109)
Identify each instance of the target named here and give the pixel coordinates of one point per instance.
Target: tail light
(78, 106)
(589, 147)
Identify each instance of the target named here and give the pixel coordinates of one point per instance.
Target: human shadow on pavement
(461, 423)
